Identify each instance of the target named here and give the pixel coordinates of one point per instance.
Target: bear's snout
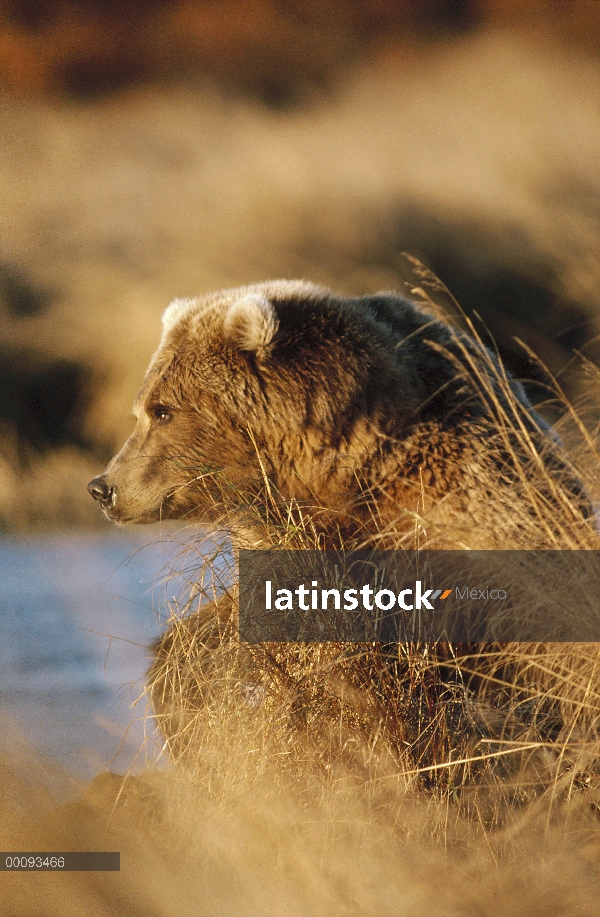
(101, 490)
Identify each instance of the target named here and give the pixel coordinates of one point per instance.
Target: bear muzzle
(101, 490)
(117, 505)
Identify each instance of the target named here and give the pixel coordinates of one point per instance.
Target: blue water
(77, 615)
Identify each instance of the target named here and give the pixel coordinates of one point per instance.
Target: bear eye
(161, 413)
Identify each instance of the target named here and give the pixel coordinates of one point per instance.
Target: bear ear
(174, 312)
(251, 322)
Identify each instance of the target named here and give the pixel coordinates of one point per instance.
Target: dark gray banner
(411, 596)
(88, 861)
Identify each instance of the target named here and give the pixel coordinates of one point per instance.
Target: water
(77, 615)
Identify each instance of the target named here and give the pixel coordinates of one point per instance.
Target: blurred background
(153, 149)
(161, 148)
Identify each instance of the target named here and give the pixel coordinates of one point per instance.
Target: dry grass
(286, 851)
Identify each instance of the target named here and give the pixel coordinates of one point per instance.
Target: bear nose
(100, 489)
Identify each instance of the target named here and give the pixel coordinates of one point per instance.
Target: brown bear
(290, 416)
(367, 418)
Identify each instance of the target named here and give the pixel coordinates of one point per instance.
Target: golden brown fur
(285, 395)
